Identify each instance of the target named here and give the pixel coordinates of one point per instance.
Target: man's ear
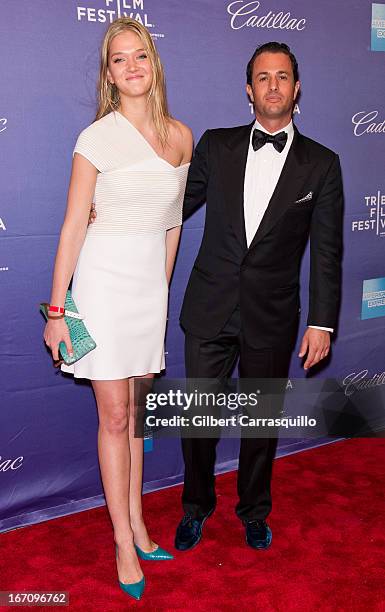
(249, 92)
(297, 87)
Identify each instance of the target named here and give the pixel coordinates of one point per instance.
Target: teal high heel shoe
(159, 554)
(134, 589)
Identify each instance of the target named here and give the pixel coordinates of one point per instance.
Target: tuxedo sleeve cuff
(329, 329)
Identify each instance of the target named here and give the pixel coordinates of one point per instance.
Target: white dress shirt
(263, 169)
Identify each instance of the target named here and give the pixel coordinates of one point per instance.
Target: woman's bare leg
(112, 397)
(141, 536)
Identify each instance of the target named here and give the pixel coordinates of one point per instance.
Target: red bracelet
(59, 309)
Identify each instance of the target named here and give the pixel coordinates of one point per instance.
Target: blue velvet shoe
(258, 534)
(189, 531)
(133, 589)
(159, 554)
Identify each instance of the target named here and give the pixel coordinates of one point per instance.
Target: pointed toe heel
(134, 589)
(159, 554)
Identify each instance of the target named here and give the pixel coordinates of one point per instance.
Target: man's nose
(273, 83)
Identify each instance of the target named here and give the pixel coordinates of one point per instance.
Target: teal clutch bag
(82, 343)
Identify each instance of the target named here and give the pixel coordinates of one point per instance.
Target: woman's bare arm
(80, 194)
(185, 141)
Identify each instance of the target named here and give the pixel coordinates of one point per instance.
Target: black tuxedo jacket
(264, 278)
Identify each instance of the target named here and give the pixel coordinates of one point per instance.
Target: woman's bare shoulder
(181, 136)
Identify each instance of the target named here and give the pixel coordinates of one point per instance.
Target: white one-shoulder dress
(119, 284)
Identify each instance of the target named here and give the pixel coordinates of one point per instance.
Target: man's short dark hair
(272, 47)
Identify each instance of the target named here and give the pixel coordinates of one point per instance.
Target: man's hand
(92, 216)
(316, 343)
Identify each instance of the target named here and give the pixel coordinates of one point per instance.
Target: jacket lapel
(235, 157)
(289, 184)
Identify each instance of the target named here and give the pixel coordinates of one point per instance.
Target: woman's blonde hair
(108, 93)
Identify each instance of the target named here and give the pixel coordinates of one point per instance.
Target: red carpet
(328, 550)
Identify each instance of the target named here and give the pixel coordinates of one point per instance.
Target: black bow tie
(261, 138)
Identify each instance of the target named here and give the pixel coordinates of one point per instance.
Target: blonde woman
(133, 161)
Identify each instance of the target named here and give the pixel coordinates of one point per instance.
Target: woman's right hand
(56, 331)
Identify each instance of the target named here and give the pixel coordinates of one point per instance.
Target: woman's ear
(109, 77)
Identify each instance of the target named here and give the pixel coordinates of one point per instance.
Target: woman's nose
(131, 64)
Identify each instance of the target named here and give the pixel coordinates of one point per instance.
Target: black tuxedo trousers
(215, 359)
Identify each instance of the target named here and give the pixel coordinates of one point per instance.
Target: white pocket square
(307, 198)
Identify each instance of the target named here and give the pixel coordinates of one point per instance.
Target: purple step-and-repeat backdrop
(49, 51)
